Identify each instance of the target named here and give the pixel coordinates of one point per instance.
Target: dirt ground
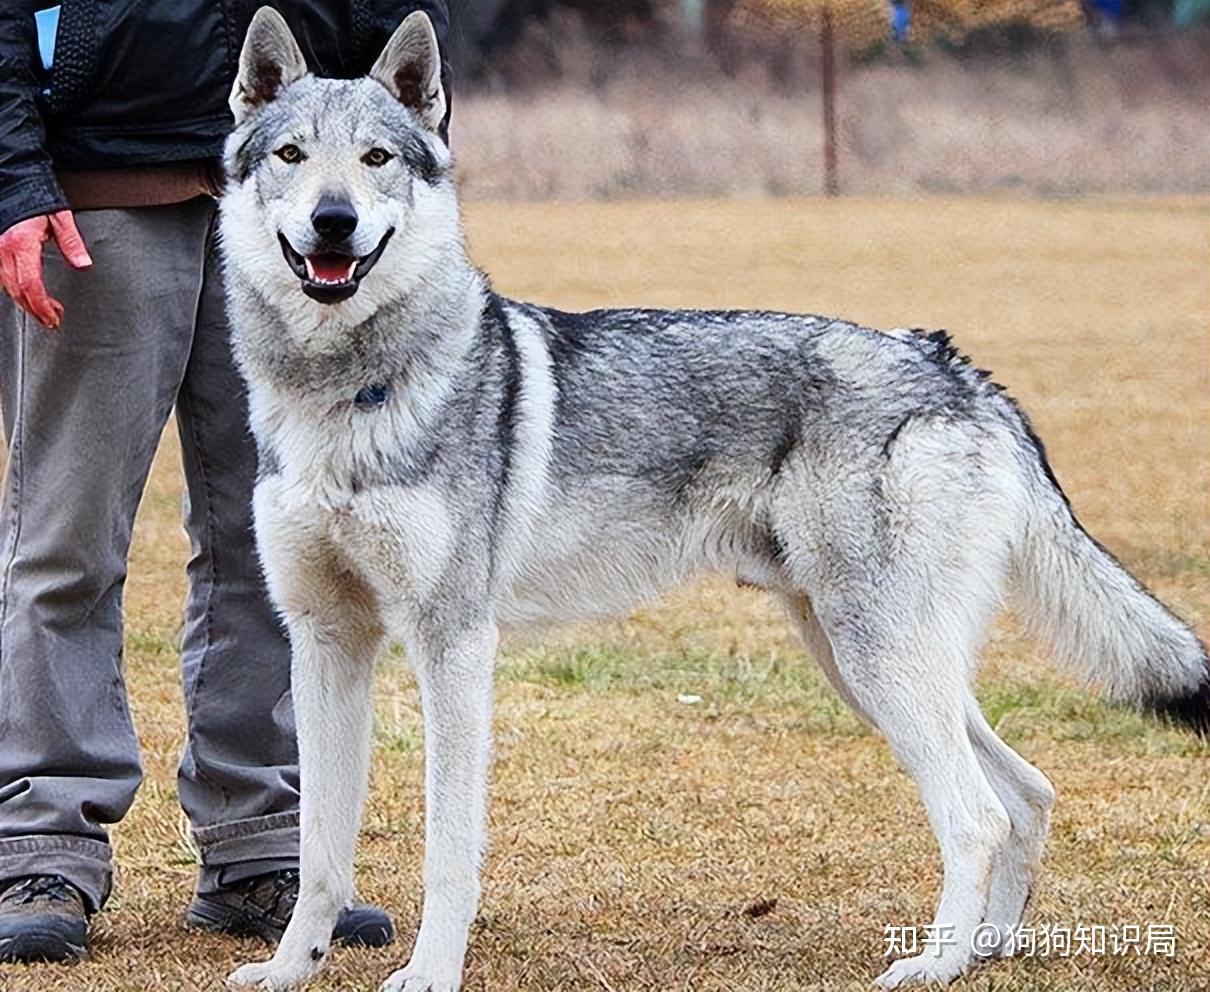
(761, 838)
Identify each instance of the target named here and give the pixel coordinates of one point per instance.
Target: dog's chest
(352, 485)
(327, 461)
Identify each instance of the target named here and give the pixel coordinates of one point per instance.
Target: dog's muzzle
(331, 276)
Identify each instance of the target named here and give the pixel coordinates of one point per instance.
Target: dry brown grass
(1077, 120)
(629, 832)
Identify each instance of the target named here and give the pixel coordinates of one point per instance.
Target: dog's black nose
(334, 220)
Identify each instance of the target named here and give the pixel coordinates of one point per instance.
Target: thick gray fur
(528, 465)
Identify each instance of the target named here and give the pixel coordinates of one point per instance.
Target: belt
(140, 185)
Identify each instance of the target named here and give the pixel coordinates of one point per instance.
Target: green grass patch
(146, 643)
(713, 681)
(773, 677)
(1050, 708)
(400, 733)
(1047, 708)
(1167, 563)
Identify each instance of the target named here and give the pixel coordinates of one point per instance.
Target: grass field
(762, 838)
(1077, 118)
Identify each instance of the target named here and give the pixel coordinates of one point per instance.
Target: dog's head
(333, 186)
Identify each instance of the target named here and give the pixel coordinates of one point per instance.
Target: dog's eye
(290, 154)
(377, 157)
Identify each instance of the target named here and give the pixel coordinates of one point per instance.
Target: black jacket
(138, 82)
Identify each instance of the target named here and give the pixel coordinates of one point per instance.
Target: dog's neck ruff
(370, 398)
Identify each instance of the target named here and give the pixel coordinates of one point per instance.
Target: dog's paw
(411, 979)
(924, 969)
(271, 975)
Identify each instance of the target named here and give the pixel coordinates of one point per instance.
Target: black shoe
(261, 907)
(42, 918)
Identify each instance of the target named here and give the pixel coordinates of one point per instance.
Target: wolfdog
(439, 462)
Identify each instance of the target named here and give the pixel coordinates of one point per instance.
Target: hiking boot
(261, 907)
(42, 918)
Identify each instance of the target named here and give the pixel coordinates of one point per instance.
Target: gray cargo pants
(84, 407)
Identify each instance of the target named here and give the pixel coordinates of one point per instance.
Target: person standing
(112, 120)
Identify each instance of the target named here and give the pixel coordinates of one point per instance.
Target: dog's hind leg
(918, 704)
(1027, 796)
(816, 641)
(1025, 793)
(334, 643)
(453, 663)
(914, 691)
(904, 550)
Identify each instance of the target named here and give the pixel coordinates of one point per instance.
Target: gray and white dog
(438, 462)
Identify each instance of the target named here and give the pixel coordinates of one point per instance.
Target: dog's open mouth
(331, 276)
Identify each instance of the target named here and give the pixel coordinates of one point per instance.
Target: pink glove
(21, 262)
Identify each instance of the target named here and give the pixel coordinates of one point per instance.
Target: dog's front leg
(454, 670)
(333, 652)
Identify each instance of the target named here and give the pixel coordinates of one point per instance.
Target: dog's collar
(370, 398)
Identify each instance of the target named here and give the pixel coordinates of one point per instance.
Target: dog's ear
(410, 68)
(269, 62)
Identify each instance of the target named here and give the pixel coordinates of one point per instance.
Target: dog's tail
(1076, 596)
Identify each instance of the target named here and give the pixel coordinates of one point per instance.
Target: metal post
(831, 180)
(693, 13)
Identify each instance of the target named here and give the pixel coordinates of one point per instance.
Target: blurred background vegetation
(487, 32)
(608, 99)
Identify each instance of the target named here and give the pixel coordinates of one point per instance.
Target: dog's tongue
(331, 268)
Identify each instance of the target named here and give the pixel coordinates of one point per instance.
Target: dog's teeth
(328, 280)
